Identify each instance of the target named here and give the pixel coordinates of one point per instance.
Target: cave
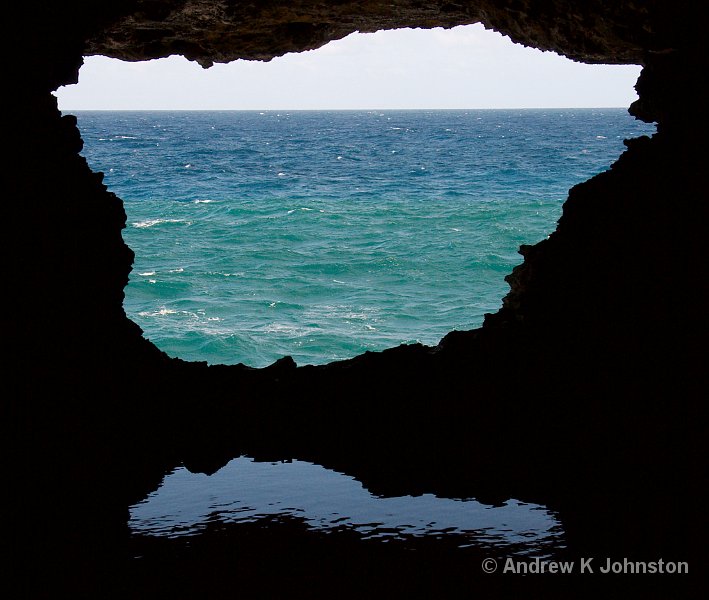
(585, 392)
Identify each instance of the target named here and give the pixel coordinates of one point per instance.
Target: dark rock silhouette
(585, 392)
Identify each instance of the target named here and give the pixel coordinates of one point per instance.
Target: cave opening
(321, 234)
(584, 394)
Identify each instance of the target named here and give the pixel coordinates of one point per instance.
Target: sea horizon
(321, 234)
(531, 108)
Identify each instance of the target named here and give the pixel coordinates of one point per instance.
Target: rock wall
(594, 366)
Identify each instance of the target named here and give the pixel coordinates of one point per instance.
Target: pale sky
(463, 67)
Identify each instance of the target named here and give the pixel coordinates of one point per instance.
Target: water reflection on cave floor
(245, 492)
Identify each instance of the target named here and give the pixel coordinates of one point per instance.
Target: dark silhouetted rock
(586, 392)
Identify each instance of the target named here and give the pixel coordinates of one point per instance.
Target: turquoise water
(320, 235)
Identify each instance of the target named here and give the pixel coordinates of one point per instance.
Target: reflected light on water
(245, 491)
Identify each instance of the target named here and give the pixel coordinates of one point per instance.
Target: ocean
(321, 235)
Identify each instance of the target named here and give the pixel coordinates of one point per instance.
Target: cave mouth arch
(303, 328)
(634, 429)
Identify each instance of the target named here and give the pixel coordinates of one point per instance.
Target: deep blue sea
(320, 235)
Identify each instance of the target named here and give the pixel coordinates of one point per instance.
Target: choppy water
(324, 234)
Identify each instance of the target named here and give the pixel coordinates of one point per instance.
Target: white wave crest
(161, 312)
(153, 222)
